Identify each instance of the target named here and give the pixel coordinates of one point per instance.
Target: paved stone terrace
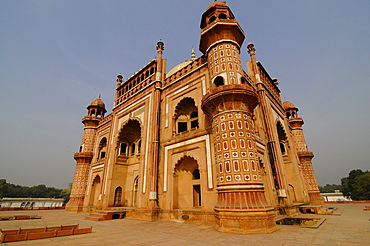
(351, 228)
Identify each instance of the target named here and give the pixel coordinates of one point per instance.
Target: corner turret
(305, 156)
(95, 113)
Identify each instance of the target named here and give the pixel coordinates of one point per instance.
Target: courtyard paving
(352, 227)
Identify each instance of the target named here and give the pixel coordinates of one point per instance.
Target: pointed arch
(186, 163)
(187, 180)
(135, 191)
(102, 148)
(218, 81)
(118, 197)
(282, 137)
(129, 138)
(186, 115)
(94, 193)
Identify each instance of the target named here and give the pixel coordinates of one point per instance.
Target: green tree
(15, 191)
(65, 194)
(357, 185)
(330, 188)
(3, 188)
(361, 187)
(37, 191)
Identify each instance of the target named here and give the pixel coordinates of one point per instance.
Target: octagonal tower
(229, 103)
(305, 156)
(95, 113)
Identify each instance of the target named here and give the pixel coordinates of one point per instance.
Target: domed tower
(229, 103)
(305, 156)
(95, 113)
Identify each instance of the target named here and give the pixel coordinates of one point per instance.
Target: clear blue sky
(58, 56)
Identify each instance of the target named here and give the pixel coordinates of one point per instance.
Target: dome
(97, 103)
(182, 64)
(288, 105)
(178, 67)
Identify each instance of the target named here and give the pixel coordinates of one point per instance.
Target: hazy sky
(58, 56)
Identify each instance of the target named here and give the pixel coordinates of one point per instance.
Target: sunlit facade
(207, 142)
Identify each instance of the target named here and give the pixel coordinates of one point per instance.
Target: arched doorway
(292, 193)
(187, 188)
(118, 196)
(136, 187)
(94, 194)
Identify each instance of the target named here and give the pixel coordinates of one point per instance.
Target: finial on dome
(160, 45)
(99, 96)
(275, 81)
(192, 54)
(251, 48)
(119, 79)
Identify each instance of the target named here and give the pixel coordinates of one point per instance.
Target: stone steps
(106, 215)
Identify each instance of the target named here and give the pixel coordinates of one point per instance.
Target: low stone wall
(336, 202)
(39, 233)
(28, 208)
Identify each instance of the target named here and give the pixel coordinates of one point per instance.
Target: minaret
(273, 139)
(305, 156)
(155, 124)
(229, 103)
(95, 113)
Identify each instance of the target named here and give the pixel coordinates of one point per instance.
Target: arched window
(219, 81)
(243, 80)
(102, 148)
(182, 123)
(282, 138)
(196, 174)
(136, 188)
(282, 147)
(222, 16)
(133, 147)
(194, 119)
(186, 115)
(139, 147)
(212, 19)
(129, 138)
(123, 149)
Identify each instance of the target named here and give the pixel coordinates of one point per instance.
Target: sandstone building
(206, 142)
